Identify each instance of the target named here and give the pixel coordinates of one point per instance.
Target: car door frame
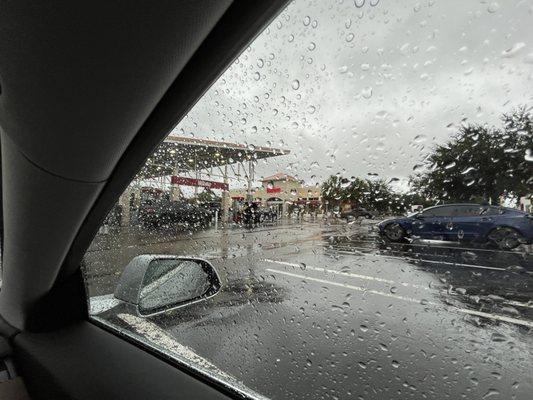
(60, 352)
(437, 227)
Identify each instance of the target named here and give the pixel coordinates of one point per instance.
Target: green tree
(517, 143)
(481, 163)
(374, 195)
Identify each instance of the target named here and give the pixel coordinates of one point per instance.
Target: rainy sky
(369, 87)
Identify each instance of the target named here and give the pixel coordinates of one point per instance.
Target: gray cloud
(371, 89)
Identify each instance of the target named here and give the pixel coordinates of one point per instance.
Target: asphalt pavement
(319, 309)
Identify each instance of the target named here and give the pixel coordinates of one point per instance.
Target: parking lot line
(420, 259)
(350, 274)
(439, 244)
(372, 278)
(496, 317)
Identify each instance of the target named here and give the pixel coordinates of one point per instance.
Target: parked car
(162, 212)
(505, 227)
(212, 208)
(356, 213)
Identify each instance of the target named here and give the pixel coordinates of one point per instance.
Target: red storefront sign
(273, 190)
(182, 180)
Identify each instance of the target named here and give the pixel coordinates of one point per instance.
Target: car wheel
(394, 232)
(506, 238)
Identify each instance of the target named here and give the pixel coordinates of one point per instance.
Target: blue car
(505, 227)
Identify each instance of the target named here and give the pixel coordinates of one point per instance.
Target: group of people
(252, 214)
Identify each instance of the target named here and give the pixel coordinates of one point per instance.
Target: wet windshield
(360, 179)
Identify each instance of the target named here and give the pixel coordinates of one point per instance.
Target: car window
(495, 211)
(470, 210)
(289, 184)
(444, 211)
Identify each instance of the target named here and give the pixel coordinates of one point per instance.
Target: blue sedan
(505, 227)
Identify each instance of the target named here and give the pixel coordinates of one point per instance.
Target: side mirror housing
(158, 283)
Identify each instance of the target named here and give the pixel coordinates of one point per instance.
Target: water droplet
(493, 7)
(498, 337)
(303, 266)
(295, 84)
(514, 50)
(311, 46)
(343, 69)
(420, 138)
(469, 256)
(450, 165)
(349, 37)
(291, 38)
(359, 3)
(367, 92)
(307, 20)
(515, 268)
(395, 364)
(393, 289)
(491, 392)
(460, 290)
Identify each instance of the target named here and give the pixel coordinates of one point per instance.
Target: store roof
(280, 176)
(189, 154)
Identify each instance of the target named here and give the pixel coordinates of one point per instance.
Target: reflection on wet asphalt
(484, 279)
(320, 310)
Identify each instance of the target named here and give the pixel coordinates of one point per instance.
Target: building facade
(282, 193)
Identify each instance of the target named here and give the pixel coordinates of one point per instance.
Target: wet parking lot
(364, 318)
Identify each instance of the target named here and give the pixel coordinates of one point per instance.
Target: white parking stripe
(372, 278)
(404, 298)
(350, 274)
(420, 259)
(439, 244)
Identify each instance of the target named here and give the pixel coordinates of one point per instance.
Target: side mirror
(158, 283)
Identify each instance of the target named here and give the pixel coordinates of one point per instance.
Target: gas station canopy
(179, 153)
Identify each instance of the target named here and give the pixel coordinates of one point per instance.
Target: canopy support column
(225, 199)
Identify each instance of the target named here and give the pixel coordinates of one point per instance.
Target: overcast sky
(370, 89)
